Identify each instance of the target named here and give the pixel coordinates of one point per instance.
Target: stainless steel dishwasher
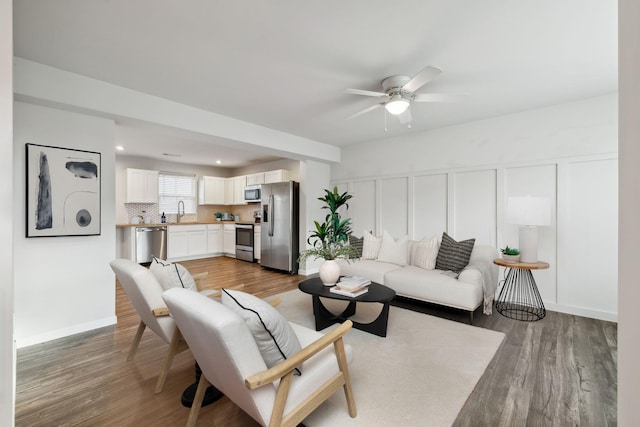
(150, 242)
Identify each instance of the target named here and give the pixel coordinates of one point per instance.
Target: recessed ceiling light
(119, 147)
(218, 162)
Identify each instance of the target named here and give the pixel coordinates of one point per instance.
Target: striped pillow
(357, 243)
(454, 255)
(370, 246)
(425, 253)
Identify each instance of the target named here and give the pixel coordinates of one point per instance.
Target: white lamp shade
(397, 105)
(529, 210)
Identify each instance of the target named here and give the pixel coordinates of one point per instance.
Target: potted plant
(510, 254)
(330, 239)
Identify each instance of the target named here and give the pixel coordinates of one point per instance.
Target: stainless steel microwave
(252, 193)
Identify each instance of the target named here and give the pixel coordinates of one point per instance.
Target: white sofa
(475, 285)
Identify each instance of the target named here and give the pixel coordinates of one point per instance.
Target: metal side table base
(519, 298)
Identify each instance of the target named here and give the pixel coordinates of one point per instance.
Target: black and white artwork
(63, 192)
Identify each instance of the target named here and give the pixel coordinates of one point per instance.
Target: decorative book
(349, 293)
(350, 283)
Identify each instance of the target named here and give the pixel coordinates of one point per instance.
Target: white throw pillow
(274, 335)
(172, 275)
(394, 251)
(370, 245)
(425, 254)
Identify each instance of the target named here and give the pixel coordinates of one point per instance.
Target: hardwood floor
(558, 371)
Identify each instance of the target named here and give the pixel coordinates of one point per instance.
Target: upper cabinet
(239, 183)
(211, 190)
(234, 190)
(280, 175)
(255, 178)
(142, 186)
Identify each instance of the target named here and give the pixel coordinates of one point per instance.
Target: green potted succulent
(510, 254)
(330, 238)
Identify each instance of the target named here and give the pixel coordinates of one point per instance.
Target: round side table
(519, 298)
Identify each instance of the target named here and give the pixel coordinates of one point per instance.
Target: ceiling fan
(399, 92)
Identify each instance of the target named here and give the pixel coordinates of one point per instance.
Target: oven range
(244, 241)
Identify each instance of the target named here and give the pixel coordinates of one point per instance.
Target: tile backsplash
(204, 213)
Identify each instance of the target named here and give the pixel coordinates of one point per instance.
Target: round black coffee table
(324, 318)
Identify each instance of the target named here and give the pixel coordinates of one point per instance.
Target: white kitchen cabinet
(256, 242)
(211, 190)
(234, 190)
(239, 183)
(177, 243)
(279, 175)
(230, 239)
(255, 178)
(142, 186)
(197, 242)
(228, 191)
(186, 241)
(215, 241)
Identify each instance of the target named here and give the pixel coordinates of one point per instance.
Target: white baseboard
(308, 272)
(581, 311)
(65, 332)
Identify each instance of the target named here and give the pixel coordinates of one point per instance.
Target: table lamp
(529, 212)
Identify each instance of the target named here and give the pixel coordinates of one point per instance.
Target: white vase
(329, 272)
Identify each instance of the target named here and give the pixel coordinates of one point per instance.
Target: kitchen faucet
(180, 215)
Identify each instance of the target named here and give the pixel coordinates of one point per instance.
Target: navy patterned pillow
(454, 255)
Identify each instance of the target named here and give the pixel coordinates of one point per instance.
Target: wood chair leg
(281, 400)
(136, 341)
(344, 367)
(173, 350)
(203, 384)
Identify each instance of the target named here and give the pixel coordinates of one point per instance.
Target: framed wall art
(63, 192)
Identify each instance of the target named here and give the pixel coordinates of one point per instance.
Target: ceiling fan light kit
(397, 104)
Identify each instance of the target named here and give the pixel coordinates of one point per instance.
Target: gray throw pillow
(275, 337)
(172, 275)
(454, 255)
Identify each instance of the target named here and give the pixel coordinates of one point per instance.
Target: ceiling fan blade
(423, 77)
(405, 117)
(366, 110)
(438, 97)
(365, 92)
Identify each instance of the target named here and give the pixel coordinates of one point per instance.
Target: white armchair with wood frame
(145, 293)
(230, 359)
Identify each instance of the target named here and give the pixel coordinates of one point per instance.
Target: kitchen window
(174, 187)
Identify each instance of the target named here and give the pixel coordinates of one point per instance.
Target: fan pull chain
(385, 119)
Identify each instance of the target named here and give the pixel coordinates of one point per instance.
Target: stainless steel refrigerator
(279, 226)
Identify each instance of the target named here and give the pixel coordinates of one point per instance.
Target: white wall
(629, 253)
(582, 128)
(63, 285)
(567, 153)
(314, 178)
(7, 347)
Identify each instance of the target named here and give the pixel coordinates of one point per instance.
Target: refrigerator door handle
(271, 215)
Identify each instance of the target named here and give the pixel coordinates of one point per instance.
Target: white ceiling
(285, 64)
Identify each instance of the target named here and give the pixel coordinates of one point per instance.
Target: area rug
(420, 374)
